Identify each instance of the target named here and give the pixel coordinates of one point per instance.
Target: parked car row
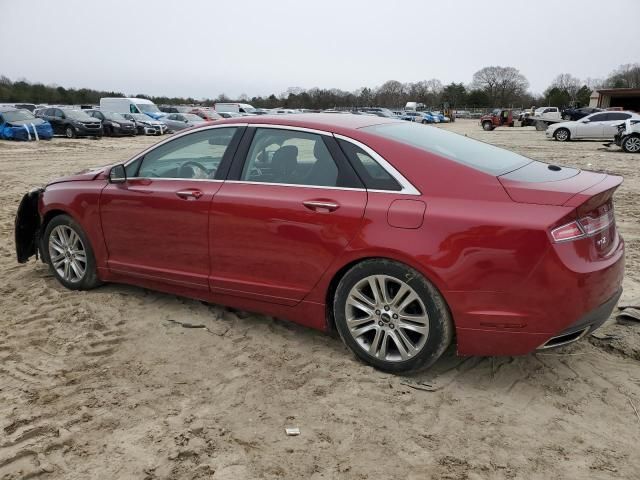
(600, 125)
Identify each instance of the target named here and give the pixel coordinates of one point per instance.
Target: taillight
(568, 231)
(583, 227)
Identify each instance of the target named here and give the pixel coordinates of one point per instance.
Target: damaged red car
(401, 237)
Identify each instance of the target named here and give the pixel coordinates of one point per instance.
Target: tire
(487, 126)
(631, 144)
(428, 334)
(69, 254)
(424, 122)
(562, 135)
(70, 132)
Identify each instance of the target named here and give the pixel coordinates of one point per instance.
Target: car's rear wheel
(391, 317)
(69, 254)
(631, 144)
(70, 132)
(487, 126)
(562, 135)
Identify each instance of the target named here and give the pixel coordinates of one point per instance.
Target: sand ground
(103, 384)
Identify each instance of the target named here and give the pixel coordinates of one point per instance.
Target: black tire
(440, 325)
(487, 126)
(562, 135)
(631, 144)
(424, 122)
(90, 278)
(70, 132)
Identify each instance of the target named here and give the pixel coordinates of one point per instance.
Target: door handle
(187, 194)
(321, 205)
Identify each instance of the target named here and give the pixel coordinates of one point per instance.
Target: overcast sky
(204, 48)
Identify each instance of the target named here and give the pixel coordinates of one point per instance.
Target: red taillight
(584, 227)
(568, 231)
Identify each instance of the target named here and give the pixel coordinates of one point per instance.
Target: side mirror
(117, 174)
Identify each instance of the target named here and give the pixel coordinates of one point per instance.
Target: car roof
(10, 109)
(331, 122)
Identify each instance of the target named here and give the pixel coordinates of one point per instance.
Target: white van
(130, 105)
(235, 107)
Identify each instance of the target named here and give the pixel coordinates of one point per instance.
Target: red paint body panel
(150, 230)
(267, 244)
(257, 247)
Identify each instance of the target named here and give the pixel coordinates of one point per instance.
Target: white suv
(552, 113)
(599, 125)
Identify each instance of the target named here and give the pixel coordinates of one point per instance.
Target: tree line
(493, 86)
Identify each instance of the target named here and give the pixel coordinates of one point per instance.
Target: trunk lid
(545, 184)
(591, 225)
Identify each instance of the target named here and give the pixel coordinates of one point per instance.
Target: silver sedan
(179, 121)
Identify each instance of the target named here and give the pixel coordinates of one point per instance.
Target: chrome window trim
(177, 179)
(247, 182)
(178, 135)
(407, 186)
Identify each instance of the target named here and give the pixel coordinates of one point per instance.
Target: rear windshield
(461, 149)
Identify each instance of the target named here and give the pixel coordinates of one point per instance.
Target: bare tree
(625, 76)
(503, 85)
(567, 83)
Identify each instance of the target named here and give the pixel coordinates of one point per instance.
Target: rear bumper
(584, 325)
(558, 303)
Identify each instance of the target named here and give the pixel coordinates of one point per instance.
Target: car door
(591, 126)
(54, 117)
(291, 204)
(610, 127)
(156, 224)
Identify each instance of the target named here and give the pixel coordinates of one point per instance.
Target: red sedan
(399, 236)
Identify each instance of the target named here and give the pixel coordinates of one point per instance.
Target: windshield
(17, 115)
(78, 115)
(461, 149)
(114, 116)
(147, 107)
(141, 117)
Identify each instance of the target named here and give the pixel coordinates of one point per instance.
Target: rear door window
(601, 117)
(290, 157)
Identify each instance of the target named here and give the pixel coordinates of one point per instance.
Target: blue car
(427, 117)
(20, 124)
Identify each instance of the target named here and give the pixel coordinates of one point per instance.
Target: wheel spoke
(408, 344)
(58, 262)
(358, 332)
(375, 343)
(357, 294)
(393, 335)
(354, 302)
(381, 281)
(423, 330)
(419, 319)
(76, 269)
(408, 300)
(400, 295)
(356, 322)
(66, 273)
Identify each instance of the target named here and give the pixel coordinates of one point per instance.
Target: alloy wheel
(387, 318)
(562, 134)
(632, 144)
(67, 253)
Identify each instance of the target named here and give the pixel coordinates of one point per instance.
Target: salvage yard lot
(108, 383)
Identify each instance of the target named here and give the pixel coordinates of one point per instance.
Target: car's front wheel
(69, 254)
(391, 317)
(487, 126)
(70, 132)
(562, 135)
(631, 144)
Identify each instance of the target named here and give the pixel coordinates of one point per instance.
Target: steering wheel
(190, 164)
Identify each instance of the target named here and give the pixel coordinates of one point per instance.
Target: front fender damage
(27, 226)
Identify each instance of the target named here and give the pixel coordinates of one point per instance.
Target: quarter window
(290, 157)
(195, 156)
(374, 176)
